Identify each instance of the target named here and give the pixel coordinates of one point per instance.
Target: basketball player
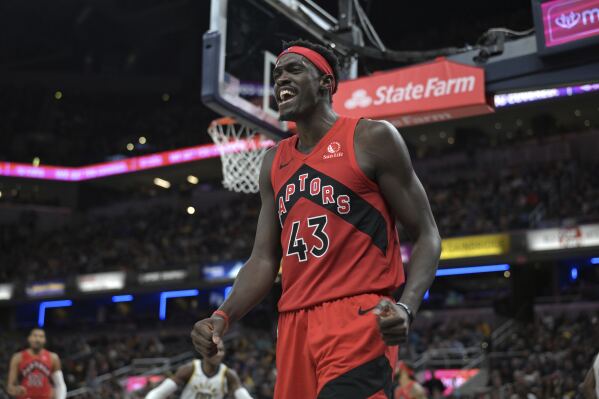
(330, 197)
(590, 386)
(203, 379)
(35, 367)
(408, 387)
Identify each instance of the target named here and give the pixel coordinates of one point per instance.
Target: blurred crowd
(160, 237)
(547, 358)
(87, 355)
(511, 198)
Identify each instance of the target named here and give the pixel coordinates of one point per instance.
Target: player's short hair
(37, 329)
(327, 53)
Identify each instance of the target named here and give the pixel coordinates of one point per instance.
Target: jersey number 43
(297, 245)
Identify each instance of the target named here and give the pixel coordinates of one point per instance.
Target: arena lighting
(113, 168)
(574, 273)
(122, 298)
(142, 140)
(192, 179)
(162, 183)
(191, 210)
(41, 318)
(595, 261)
(166, 295)
(5, 292)
(457, 271)
(524, 97)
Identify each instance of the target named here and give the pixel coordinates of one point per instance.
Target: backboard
(240, 49)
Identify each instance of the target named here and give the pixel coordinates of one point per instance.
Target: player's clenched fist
(206, 334)
(393, 322)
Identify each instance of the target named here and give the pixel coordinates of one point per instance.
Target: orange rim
(226, 120)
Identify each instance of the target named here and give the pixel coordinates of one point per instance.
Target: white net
(241, 151)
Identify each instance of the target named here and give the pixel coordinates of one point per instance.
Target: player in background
(331, 195)
(590, 386)
(203, 379)
(408, 387)
(32, 369)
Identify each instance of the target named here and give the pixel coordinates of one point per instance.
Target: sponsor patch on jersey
(333, 150)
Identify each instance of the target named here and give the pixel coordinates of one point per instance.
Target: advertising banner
(474, 246)
(432, 92)
(101, 281)
(41, 289)
(562, 238)
(226, 270)
(162, 276)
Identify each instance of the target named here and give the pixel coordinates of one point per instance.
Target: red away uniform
(341, 252)
(35, 373)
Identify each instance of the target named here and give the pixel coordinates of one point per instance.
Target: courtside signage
(474, 246)
(563, 238)
(567, 21)
(452, 378)
(431, 92)
(136, 383)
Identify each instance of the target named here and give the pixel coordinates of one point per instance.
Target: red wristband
(225, 316)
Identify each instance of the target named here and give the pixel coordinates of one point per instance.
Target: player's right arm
(12, 385)
(170, 385)
(256, 277)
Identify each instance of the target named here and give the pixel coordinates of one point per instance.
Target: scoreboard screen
(563, 25)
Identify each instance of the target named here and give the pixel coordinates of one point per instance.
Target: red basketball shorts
(330, 351)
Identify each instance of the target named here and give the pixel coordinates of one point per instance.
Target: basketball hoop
(241, 151)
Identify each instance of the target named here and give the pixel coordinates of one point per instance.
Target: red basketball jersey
(35, 373)
(338, 234)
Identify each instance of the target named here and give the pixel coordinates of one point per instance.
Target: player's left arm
(588, 385)
(382, 150)
(60, 388)
(234, 385)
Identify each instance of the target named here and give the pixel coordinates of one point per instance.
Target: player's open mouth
(286, 94)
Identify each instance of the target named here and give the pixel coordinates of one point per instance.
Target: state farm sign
(566, 21)
(426, 93)
(411, 92)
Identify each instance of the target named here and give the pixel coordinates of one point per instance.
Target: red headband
(315, 58)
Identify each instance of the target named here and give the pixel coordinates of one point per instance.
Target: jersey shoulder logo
(333, 150)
